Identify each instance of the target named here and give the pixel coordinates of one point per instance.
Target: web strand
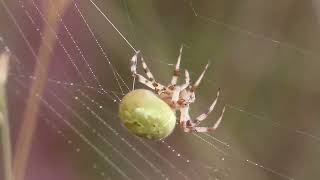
(114, 27)
(115, 73)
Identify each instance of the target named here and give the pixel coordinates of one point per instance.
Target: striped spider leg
(173, 85)
(171, 95)
(190, 125)
(176, 72)
(188, 96)
(150, 82)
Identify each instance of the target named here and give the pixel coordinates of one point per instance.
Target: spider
(178, 97)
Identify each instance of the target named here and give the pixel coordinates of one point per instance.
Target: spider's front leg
(189, 125)
(176, 72)
(187, 80)
(173, 85)
(203, 116)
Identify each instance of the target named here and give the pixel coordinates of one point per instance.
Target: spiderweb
(263, 57)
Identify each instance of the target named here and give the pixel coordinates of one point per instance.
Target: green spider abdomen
(146, 115)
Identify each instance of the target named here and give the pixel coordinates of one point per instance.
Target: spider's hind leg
(147, 70)
(134, 62)
(151, 83)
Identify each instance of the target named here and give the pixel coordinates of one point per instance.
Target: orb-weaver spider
(178, 97)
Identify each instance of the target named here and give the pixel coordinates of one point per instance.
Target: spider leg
(196, 84)
(134, 63)
(150, 83)
(186, 84)
(176, 90)
(147, 70)
(203, 116)
(176, 72)
(175, 95)
(187, 128)
(184, 116)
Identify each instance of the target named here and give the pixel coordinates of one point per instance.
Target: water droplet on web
(178, 154)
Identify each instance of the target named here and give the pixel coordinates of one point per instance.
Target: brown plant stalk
(29, 123)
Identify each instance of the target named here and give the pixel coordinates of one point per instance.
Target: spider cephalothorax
(178, 97)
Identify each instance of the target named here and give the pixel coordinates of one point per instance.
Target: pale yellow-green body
(146, 115)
